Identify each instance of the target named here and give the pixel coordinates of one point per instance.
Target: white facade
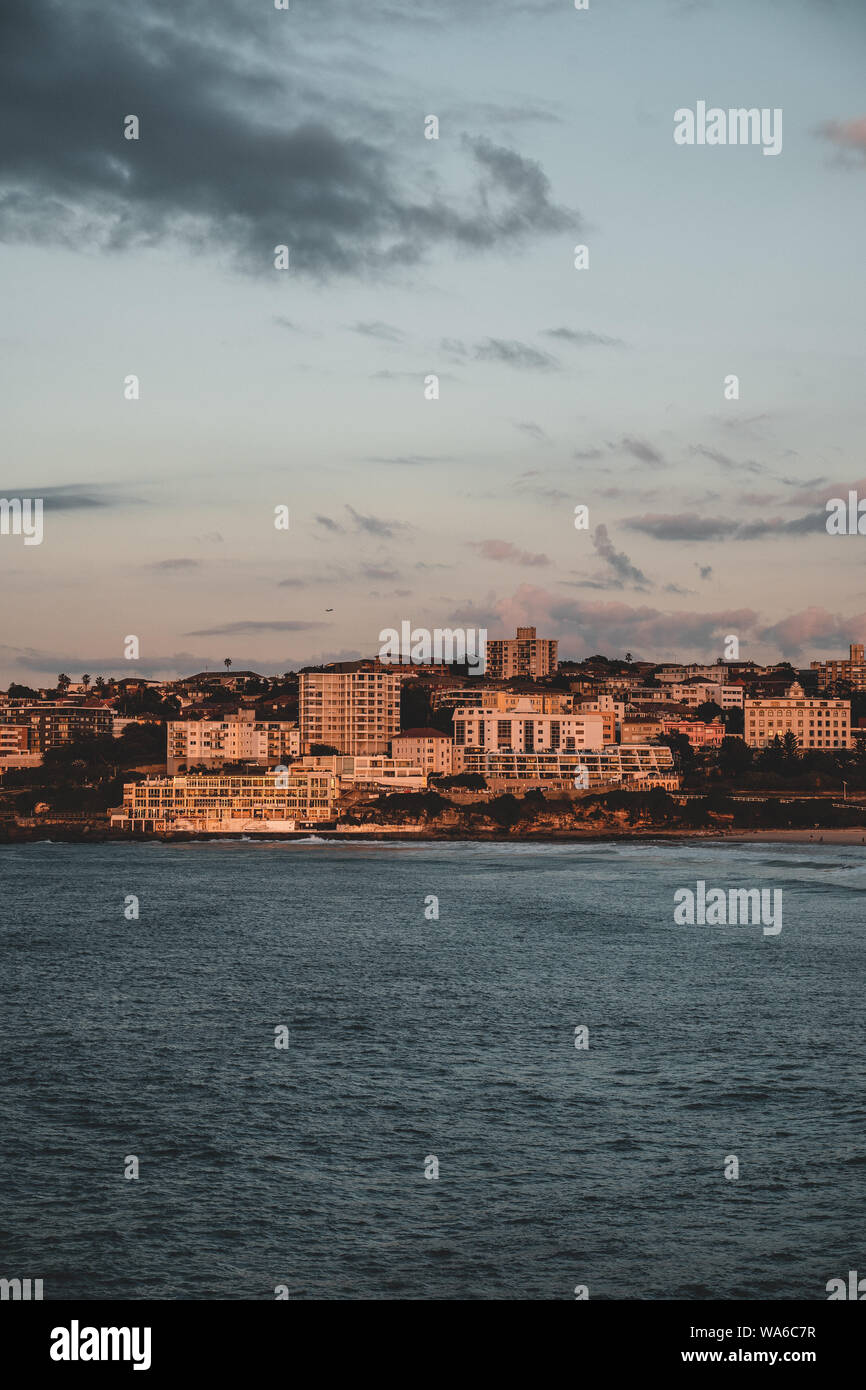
(523, 729)
(237, 739)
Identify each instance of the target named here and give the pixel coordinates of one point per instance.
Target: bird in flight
(329, 610)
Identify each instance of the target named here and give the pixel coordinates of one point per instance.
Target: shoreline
(54, 834)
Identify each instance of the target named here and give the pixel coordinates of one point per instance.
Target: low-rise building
(699, 733)
(368, 771)
(429, 749)
(631, 767)
(54, 723)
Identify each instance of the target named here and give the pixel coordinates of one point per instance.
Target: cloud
(329, 524)
(375, 525)
(515, 354)
(582, 338)
(705, 570)
(240, 147)
(231, 629)
(689, 526)
(587, 455)
(727, 463)
(412, 460)
(639, 449)
(507, 553)
(180, 564)
(815, 627)
(849, 136)
(534, 431)
(378, 572)
(682, 526)
(377, 329)
(609, 626)
(620, 572)
(69, 497)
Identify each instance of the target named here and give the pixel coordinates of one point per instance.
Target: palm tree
(85, 680)
(629, 658)
(227, 663)
(63, 681)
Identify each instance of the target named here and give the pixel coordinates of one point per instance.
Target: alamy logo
(742, 907)
(76, 1343)
(846, 521)
(421, 647)
(737, 126)
(20, 1289)
(856, 1288)
(22, 516)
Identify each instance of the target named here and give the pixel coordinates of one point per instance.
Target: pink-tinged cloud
(816, 628)
(848, 135)
(584, 628)
(507, 553)
(818, 496)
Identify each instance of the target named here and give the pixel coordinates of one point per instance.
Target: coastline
(57, 834)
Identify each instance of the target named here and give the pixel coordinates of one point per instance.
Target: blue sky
(409, 257)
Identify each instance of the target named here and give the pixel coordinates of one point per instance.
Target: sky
(305, 388)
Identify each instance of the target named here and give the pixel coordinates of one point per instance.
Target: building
(239, 738)
(816, 723)
(852, 671)
(640, 728)
(672, 674)
(17, 748)
(429, 749)
(276, 802)
(371, 771)
(525, 656)
(691, 693)
(355, 712)
(523, 729)
(699, 733)
(637, 766)
(53, 724)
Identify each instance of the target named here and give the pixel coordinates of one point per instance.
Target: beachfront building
(372, 771)
(524, 657)
(271, 801)
(630, 767)
(699, 733)
(815, 723)
(239, 738)
(523, 729)
(356, 712)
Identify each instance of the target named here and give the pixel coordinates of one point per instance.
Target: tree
(227, 663)
(629, 658)
(324, 750)
(63, 681)
(85, 680)
(708, 711)
(99, 683)
(735, 757)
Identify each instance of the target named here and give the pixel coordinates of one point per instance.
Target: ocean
(412, 1044)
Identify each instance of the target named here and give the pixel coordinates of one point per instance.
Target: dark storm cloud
(234, 154)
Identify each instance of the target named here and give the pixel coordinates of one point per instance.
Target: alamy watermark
(443, 646)
(736, 126)
(22, 516)
(742, 907)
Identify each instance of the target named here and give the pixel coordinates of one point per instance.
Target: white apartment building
(356, 712)
(522, 729)
(692, 694)
(239, 738)
(816, 723)
(372, 770)
(632, 766)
